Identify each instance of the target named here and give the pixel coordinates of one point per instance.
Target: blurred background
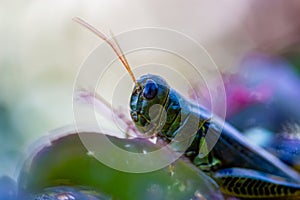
(42, 49)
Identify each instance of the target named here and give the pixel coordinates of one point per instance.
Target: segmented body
(242, 169)
(247, 183)
(233, 161)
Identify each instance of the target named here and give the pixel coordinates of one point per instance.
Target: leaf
(66, 162)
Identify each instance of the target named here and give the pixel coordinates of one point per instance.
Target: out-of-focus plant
(271, 88)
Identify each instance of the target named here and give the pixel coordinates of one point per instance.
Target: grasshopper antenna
(115, 46)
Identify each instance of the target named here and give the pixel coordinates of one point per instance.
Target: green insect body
(240, 168)
(232, 150)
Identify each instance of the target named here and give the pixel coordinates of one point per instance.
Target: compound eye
(150, 89)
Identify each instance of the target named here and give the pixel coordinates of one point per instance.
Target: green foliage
(66, 163)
